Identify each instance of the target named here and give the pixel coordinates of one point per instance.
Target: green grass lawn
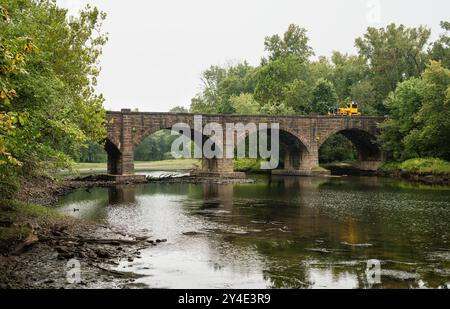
(176, 164)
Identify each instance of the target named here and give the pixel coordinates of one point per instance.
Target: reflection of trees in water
(283, 213)
(89, 202)
(326, 220)
(298, 226)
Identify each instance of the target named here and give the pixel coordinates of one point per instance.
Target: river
(281, 232)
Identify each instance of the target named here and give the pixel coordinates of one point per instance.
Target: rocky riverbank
(46, 261)
(37, 243)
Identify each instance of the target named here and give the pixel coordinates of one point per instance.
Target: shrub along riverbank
(420, 166)
(426, 170)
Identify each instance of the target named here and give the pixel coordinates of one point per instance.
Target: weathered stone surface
(300, 137)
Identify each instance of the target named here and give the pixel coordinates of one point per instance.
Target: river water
(281, 232)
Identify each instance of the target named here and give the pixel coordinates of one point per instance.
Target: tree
(179, 109)
(324, 97)
(294, 43)
(394, 54)
(298, 96)
(209, 100)
(273, 78)
(155, 147)
(348, 70)
(219, 85)
(337, 148)
(419, 123)
(403, 104)
(60, 111)
(12, 60)
(13, 51)
(364, 94)
(92, 153)
(431, 137)
(440, 50)
(245, 104)
(239, 79)
(277, 109)
(321, 68)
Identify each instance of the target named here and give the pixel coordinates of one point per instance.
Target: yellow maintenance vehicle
(350, 110)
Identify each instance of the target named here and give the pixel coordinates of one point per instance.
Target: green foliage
(324, 97)
(273, 78)
(246, 164)
(9, 183)
(179, 109)
(33, 210)
(431, 137)
(92, 153)
(347, 72)
(293, 43)
(168, 156)
(394, 54)
(245, 104)
(337, 148)
(277, 109)
(219, 85)
(321, 68)
(402, 104)
(155, 147)
(440, 50)
(55, 108)
(386, 77)
(420, 165)
(419, 123)
(298, 96)
(364, 93)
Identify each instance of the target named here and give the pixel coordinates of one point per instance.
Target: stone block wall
(128, 129)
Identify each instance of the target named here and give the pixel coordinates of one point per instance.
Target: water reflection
(286, 232)
(121, 195)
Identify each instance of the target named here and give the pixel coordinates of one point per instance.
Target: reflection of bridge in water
(267, 218)
(300, 138)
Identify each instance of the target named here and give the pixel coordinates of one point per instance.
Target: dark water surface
(295, 232)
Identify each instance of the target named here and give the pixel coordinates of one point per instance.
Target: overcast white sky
(158, 49)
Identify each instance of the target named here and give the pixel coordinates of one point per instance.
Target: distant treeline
(397, 72)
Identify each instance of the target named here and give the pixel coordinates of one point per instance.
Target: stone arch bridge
(300, 138)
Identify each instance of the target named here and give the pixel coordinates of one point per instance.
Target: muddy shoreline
(41, 259)
(47, 192)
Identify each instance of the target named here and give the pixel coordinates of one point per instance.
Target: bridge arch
(370, 155)
(208, 165)
(293, 150)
